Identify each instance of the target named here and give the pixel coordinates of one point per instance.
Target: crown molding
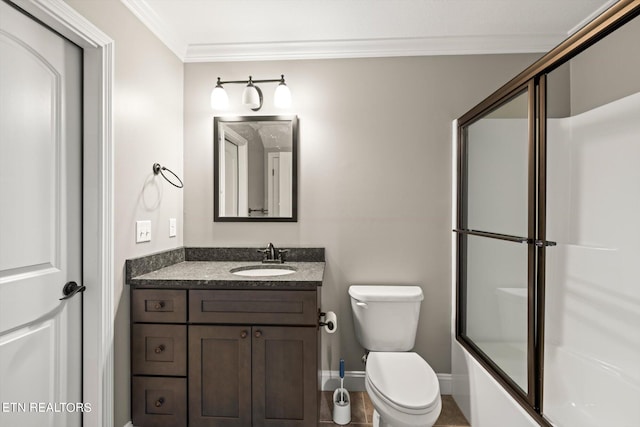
(367, 48)
(348, 48)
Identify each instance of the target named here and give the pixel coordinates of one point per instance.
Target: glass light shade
(219, 98)
(282, 96)
(251, 97)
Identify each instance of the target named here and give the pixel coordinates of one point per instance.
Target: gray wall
(148, 126)
(374, 175)
(606, 71)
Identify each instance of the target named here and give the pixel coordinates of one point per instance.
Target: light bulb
(282, 96)
(219, 97)
(250, 96)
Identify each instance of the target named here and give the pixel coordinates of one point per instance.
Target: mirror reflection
(255, 168)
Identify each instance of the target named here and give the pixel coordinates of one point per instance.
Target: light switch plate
(143, 231)
(172, 227)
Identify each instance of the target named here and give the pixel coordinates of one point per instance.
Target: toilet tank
(386, 317)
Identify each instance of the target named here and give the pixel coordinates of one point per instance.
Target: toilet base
(398, 419)
(378, 422)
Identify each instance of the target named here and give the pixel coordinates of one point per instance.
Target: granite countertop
(210, 269)
(215, 274)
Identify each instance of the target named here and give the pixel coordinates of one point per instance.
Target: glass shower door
(496, 316)
(494, 229)
(556, 322)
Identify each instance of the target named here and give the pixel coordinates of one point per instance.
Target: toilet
(402, 386)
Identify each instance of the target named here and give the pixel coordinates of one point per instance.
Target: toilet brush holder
(341, 406)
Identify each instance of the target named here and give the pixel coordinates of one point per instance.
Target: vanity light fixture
(252, 95)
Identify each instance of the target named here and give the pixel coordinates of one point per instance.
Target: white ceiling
(240, 30)
(273, 135)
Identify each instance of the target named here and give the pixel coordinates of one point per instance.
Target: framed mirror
(255, 162)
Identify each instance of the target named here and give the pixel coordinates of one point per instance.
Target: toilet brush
(341, 381)
(341, 401)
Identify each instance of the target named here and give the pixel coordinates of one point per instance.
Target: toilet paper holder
(330, 325)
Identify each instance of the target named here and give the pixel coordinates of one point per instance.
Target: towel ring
(157, 169)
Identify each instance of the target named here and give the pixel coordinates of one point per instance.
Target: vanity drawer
(159, 350)
(159, 305)
(275, 307)
(159, 402)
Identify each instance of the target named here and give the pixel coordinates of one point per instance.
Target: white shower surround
(592, 343)
(592, 377)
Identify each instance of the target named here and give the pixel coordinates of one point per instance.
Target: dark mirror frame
(294, 190)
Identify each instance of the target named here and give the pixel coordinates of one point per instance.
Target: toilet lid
(404, 379)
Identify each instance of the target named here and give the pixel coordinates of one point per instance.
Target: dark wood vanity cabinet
(252, 376)
(239, 358)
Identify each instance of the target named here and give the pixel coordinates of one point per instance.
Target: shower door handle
(542, 243)
(507, 237)
(516, 239)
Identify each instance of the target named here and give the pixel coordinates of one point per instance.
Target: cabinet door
(285, 376)
(159, 401)
(159, 349)
(219, 376)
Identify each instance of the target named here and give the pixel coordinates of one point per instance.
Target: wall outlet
(172, 227)
(143, 231)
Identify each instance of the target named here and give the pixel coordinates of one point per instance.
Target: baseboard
(354, 381)
(446, 383)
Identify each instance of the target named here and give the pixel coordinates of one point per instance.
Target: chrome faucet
(271, 252)
(273, 255)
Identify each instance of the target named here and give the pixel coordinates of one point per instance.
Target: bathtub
(582, 391)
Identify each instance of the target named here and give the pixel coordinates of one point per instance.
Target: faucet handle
(265, 254)
(282, 254)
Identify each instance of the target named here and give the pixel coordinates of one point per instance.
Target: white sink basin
(263, 270)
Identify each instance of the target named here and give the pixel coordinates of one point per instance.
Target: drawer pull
(244, 334)
(159, 349)
(258, 333)
(159, 402)
(159, 305)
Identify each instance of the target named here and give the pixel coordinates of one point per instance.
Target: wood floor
(362, 411)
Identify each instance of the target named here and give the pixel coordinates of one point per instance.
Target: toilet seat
(404, 381)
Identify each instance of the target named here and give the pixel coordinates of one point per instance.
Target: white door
(230, 178)
(273, 184)
(280, 183)
(40, 225)
(286, 183)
